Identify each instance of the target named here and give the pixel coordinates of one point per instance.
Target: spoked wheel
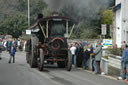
(41, 60)
(33, 58)
(69, 61)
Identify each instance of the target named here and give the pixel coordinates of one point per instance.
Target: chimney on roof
(55, 14)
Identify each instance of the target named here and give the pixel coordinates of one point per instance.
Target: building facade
(120, 25)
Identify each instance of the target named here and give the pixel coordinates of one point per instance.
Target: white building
(120, 31)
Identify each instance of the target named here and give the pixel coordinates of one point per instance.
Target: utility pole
(28, 15)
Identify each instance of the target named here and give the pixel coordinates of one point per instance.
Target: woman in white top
(73, 50)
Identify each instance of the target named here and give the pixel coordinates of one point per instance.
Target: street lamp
(28, 31)
(28, 15)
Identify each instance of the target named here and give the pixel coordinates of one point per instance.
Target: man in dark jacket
(86, 56)
(79, 54)
(12, 51)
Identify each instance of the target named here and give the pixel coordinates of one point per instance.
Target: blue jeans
(11, 59)
(74, 59)
(94, 65)
(127, 70)
(122, 74)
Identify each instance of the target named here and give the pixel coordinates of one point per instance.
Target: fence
(113, 61)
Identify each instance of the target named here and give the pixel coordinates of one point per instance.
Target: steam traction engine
(49, 42)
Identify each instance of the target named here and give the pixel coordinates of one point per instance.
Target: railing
(114, 61)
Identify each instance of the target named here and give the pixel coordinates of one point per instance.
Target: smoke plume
(94, 5)
(81, 10)
(55, 5)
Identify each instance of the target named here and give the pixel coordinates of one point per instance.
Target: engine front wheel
(69, 61)
(41, 60)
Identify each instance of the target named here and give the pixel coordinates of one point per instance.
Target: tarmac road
(20, 73)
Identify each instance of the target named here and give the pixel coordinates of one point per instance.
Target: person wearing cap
(124, 64)
(122, 74)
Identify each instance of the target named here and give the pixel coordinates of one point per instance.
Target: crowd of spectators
(82, 52)
(6, 44)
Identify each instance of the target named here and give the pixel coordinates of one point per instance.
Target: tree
(107, 19)
(36, 7)
(14, 25)
(84, 32)
(13, 16)
(47, 12)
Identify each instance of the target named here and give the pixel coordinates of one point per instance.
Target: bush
(106, 57)
(115, 51)
(25, 37)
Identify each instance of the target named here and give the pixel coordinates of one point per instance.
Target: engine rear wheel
(27, 57)
(69, 61)
(41, 60)
(33, 57)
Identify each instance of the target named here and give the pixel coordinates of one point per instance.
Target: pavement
(20, 73)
